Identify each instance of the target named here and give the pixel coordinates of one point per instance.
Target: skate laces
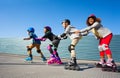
(44, 59)
(28, 58)
(58, 60)
(102, 61)
(110, 62)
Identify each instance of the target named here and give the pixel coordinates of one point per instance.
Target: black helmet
(67, 21)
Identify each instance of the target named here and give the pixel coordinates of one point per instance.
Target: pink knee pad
(54, 52)
(49, 47)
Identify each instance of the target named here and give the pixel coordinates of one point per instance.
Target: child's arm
(26, 38)
(41, 39)
(85, 33)
(89, 28)
(62, 36)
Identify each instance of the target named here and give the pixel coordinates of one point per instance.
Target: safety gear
(44, 59)
(66, 21)
(92, 16)
(52, 59)
(38, 51)
(48, 28)
(71, 47)
(73, 62)
(110, 62)
(28, 58)
(103, 47)
(49, 47)
(31, 29)
(28, 49)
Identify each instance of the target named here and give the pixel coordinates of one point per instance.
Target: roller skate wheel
(66, 67)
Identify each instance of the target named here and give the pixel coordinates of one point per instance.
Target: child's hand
(42, 39)
(24, 38)
(77, 32)
(37, 38)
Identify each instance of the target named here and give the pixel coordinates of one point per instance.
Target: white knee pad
(100, 48)
(103, 47)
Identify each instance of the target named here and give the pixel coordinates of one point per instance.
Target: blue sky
(17, 15)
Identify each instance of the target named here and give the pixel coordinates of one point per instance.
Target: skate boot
(51, 60)
(72, 65)
(58, 60)
(28, 59)
(110, 66)
(101, 63)
(44, 59)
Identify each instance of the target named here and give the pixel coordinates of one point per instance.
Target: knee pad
(29, 49)
(100, 48)
(38, 51)
(49, 47)
(71, 47)
(103, 47)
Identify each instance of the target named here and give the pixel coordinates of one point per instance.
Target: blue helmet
(31, 29)
(48, 28)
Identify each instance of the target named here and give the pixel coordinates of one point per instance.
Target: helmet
(92, 16)
(48, 28)
(31, 29)
(66, 21)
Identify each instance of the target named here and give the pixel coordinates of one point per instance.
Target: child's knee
(29, 49)
(71, 47)
(38, 51)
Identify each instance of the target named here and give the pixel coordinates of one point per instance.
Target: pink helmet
(92, 16)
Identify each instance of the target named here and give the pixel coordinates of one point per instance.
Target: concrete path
(13, 66)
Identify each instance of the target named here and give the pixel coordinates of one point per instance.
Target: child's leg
(54, 54)
(107, 41)
(102, 53)
(71, 48)
(52, 58)
(58, 60)
(49, 47)
(55, 45)
(72, 65)
(29, 49)
(40, 52)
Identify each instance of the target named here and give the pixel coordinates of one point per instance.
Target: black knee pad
(70, 49)
(38, 51)
(29, 49)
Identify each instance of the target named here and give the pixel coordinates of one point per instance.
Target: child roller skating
(35, 43)
(104, 36)
(75, 37)
(54, 57)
